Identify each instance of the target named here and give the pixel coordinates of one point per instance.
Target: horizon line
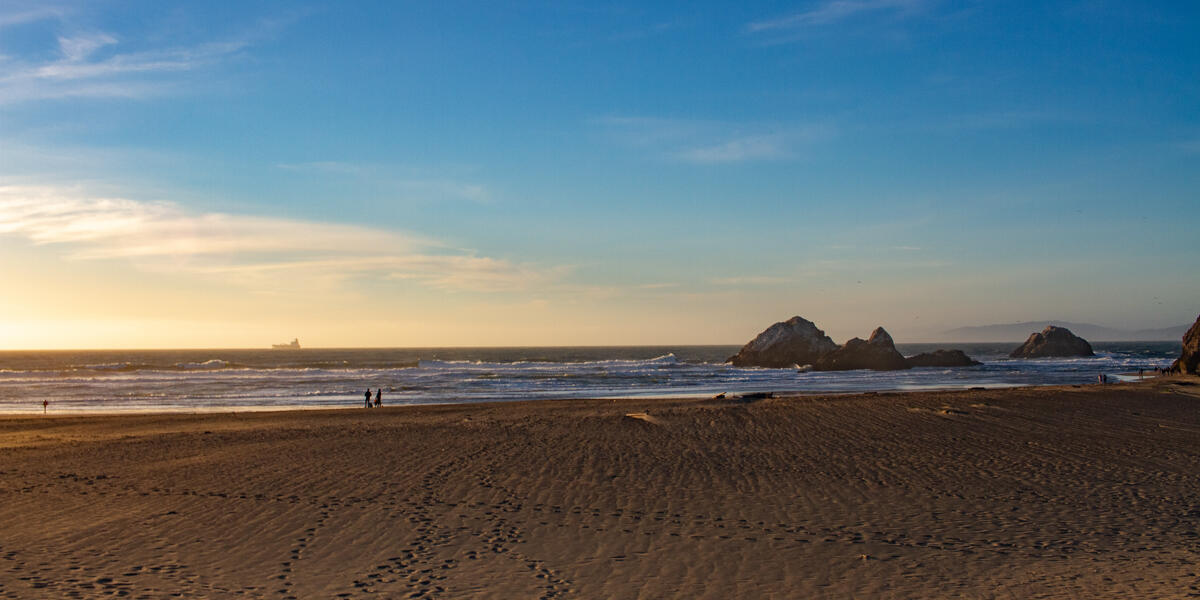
(499, 347)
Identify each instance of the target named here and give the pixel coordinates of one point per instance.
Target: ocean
(199, 380)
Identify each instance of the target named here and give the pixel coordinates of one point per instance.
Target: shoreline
(89, 412)
(734, 398)
(85, 412)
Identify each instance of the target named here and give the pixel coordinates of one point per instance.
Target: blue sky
(395, 174)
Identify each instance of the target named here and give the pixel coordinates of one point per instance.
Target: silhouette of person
(45, 405)
(378, 397)
(367, 394)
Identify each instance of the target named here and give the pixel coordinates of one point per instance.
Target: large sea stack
(1053, 341)
(796, 341)
(1189, 359)
(942, 358)
(878, 353)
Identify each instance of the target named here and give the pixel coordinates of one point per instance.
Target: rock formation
(1189, 358)
(1053, 341)
(942, 358)
(878, 353)
(796, 341)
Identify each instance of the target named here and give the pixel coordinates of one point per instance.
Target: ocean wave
(122, 367)
(214, 363)
(526, 365)
(119, 366)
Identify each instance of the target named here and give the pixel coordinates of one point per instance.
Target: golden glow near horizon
(103, 272)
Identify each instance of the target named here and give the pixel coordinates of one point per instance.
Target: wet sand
(1081, 492)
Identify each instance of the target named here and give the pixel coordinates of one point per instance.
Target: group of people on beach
(378, 398)
(1141, 372)
(1160, 371)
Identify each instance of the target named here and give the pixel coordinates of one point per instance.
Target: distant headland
(1015, 332)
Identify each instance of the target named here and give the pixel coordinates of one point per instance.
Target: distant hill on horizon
(1019, 332)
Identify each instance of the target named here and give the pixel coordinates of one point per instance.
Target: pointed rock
(880, 337)
(877, 353)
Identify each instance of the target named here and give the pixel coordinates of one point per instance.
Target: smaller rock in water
(1053, 341)
(942, 358)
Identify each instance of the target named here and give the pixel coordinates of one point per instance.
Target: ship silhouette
(293, 345)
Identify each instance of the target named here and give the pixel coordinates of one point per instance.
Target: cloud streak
(77, 48)
(256, 252)
(29, 15)
(714, 142)
(834, 11)
(751, 280)
(418, 186)
(749, 148)
(94, 65)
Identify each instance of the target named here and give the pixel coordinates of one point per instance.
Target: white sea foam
(119, 366)
(665, 360)
(214, 363)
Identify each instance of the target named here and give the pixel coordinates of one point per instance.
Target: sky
(398, 174)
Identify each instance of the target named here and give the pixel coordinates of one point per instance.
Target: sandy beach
(1078, 492)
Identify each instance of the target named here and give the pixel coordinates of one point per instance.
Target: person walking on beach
(45, 405)
(367, 395)
(378, 397)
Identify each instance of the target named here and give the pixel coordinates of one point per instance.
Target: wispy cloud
(29, 14)
(257, 252)
(330, 167)
(650, 31)
(96, 64)
(426, 187)
(751, 280)
(754, 147)
(1002, 119)
(714, 142)
(835, 11)
(1189, 146)
(77, 48)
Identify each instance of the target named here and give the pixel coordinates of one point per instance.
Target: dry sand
(1066, 492)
